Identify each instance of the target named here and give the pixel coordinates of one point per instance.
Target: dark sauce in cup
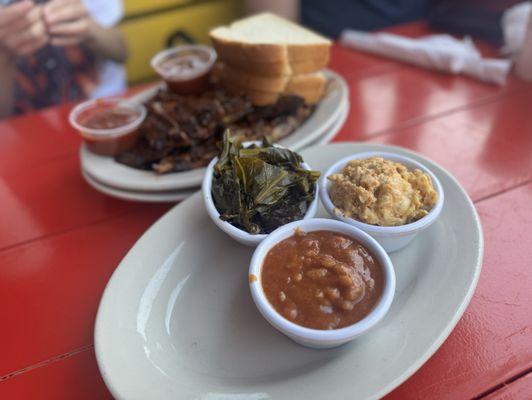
(185, 69)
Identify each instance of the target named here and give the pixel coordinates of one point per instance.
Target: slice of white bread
(274, 69)
(259, 98)
(270, 45)
(314, 81)
(266, 90)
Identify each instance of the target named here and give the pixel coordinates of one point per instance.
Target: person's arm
(285, 8)
(22, 32)
(7, 80)
(69, 23)
(107, 42)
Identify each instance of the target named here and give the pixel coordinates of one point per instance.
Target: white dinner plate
(107, 171)
(181, 194)
(331, 132)
(176, 320)
(134, 195)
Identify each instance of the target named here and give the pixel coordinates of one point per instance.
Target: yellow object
(132, 7)
(150, 26)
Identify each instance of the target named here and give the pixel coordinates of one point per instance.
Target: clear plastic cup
(185, 68)
(108, 126)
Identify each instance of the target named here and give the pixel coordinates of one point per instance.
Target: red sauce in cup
(186, 68)
(109, 118)
(182, 64)
(111, 146)
(108, 126)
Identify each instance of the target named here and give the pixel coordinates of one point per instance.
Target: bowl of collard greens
(253, 188)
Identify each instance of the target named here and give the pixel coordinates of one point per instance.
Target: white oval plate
(177, 320)
(181, 194)
(132, 195)
(107, 171)
(331, 132)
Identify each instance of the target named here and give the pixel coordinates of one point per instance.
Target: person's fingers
(75, 28)
(69, 12)
(53, 5)
(36, 33)
(21, 24)
(18, 25)
(13, 12)
(35, 14)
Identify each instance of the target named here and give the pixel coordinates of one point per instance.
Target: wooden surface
(60, 240)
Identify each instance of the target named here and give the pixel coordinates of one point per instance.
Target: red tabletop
(60, 240)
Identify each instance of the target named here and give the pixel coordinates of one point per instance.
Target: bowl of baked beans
(321, 282)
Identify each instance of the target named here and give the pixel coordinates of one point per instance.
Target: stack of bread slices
(265, 56)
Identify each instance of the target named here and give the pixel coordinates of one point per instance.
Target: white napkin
(440, 52)
(514, 26)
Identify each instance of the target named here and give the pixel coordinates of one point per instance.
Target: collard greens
(258, 189)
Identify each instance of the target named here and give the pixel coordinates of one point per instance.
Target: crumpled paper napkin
(514, 26)
(440, 52)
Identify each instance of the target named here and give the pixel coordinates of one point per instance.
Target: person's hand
(68, 22)
(22, 30)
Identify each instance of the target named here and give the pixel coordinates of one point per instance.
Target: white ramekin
(317, 338)
(392, 238)
(238, 234)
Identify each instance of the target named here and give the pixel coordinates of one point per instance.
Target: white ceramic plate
(331, 132)
(181, 194)
(133, 195)
(177, 320)
(107, 171)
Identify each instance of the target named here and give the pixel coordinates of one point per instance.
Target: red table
(60, 240)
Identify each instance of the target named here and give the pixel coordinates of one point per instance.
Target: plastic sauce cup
(185, 68)
(108, 126)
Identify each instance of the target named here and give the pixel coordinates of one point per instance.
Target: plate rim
(148, 181)
(444, 334)
(334, 129)
(152, 196)
(409, 371)
(136, 196)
